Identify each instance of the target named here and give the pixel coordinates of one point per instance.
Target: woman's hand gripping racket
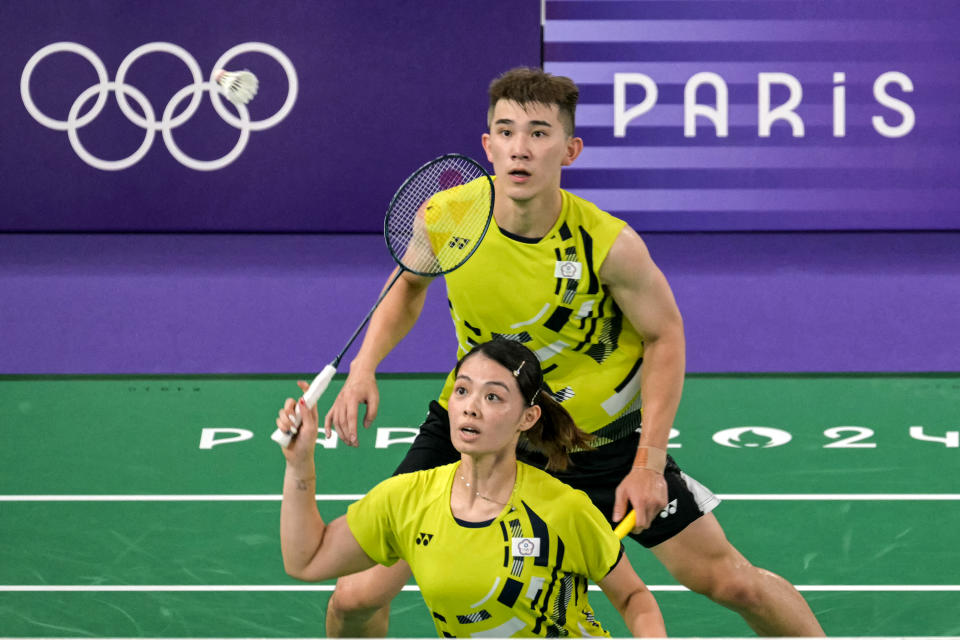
(434, 223)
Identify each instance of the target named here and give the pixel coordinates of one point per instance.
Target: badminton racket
(434, 223)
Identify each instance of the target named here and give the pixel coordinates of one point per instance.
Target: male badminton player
(579, 288)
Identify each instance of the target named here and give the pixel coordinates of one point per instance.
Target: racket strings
(439, 215)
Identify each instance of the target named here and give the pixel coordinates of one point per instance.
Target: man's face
(527, 146)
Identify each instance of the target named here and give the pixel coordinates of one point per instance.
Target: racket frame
(322, 379)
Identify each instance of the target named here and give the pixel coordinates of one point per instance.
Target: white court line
(100, 588)
(349, 497)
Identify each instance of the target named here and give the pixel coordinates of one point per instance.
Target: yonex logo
(148, 121)
(670, 509)
(459, 243)
(424, 538)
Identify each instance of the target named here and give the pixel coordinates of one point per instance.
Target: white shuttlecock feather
(238, 86)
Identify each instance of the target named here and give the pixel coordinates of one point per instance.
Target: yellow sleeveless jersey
(547, 294)
(523, 574)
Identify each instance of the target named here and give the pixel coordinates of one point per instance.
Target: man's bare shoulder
(627, 259)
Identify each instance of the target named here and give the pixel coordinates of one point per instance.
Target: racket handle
(626, 525)
(310, 397)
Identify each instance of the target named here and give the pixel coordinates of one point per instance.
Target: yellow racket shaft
(626, 525)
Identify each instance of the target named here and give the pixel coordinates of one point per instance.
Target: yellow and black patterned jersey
(547, 294)
(523, 574)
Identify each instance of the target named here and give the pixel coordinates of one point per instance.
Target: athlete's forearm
(633, 600)
(664, 361)
(392, 320)
(301, 527)
(312, 549)
(642, 616)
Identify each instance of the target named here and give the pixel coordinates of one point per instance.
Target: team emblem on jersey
(568, 269)
(526, 547)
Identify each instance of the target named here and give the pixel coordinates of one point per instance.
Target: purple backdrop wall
(761, 302)
(382, 87)
(382, 90)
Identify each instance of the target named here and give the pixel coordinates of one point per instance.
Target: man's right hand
(359, 388)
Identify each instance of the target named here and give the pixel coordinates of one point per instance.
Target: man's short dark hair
(529, 85)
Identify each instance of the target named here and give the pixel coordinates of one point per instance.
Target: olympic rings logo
(148, 121)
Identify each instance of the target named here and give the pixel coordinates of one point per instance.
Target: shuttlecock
(238, 86)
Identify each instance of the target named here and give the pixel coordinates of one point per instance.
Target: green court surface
(149, 507)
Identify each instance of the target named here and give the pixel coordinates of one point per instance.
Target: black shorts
(597, 473)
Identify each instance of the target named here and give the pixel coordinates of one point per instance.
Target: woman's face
(487, 410)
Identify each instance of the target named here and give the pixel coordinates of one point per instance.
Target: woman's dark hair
(555, 434)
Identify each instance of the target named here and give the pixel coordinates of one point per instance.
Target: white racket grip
(310, 397)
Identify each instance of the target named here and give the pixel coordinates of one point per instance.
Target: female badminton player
(498, 547)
